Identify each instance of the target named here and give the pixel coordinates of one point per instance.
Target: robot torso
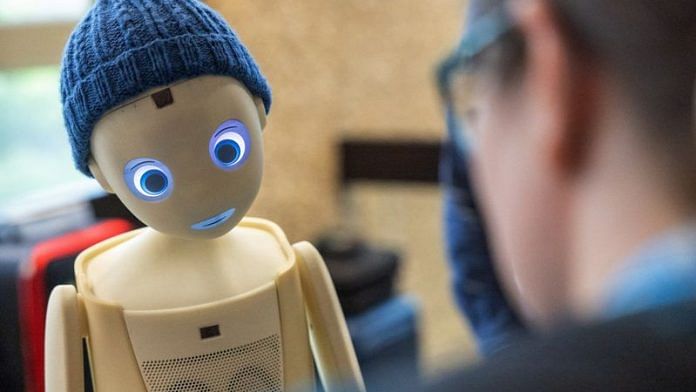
(256, 340)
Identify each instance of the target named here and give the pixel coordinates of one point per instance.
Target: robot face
(188, 166)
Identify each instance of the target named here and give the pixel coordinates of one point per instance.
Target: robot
(165, 107)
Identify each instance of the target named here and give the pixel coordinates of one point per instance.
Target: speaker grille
(253, 367)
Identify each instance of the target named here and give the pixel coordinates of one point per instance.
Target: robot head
(164, 106)
(186, 159)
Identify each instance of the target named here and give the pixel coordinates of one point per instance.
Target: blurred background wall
(357, 69)
(339, 68)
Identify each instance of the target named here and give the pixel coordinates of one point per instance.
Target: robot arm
(63, 355)
(331, 344)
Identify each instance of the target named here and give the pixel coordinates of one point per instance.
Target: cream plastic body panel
(333, 350)
(147, 270)
(64, 372)
(240, 320)
(297, 356)
(113, 360)
(113, 363)
(170, 349)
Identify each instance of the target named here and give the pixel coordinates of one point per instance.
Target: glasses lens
(462, 96)
(458, 73)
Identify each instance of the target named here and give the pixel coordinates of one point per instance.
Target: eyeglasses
(457, 76)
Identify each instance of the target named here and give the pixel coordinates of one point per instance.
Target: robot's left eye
(148, 179)
(230, 145)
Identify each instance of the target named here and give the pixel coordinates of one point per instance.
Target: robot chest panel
(231, 345)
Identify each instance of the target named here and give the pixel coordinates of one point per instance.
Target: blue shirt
(662, 272)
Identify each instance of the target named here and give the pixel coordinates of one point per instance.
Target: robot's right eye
(148, 179)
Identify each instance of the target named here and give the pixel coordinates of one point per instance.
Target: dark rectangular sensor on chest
(209, 332)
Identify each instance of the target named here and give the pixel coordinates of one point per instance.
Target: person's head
(574, 109)
(165, 107)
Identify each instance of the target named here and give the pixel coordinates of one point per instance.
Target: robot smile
(213, 221)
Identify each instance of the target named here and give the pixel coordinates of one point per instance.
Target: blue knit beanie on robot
(122, 48)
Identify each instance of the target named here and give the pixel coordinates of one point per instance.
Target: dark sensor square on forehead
(163, 98)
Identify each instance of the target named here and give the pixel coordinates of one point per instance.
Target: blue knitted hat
(123, 48)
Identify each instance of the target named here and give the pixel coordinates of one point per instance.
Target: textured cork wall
(357, 68)
(338, 67)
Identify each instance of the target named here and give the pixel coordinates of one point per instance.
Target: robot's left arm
(64, 361)
(333, 350)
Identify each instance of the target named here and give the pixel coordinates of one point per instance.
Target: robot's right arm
(64, 332)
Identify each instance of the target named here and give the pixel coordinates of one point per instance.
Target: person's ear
(261, 109)
(562, 88)
(97, 173)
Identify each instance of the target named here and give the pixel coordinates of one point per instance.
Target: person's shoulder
(649, 351)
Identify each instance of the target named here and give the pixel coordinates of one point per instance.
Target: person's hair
(648, 46)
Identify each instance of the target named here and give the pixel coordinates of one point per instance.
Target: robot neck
(168, 247)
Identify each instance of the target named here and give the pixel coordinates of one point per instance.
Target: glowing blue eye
(227, 152)
(230, 144)
(154, 182)
(148, 179)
